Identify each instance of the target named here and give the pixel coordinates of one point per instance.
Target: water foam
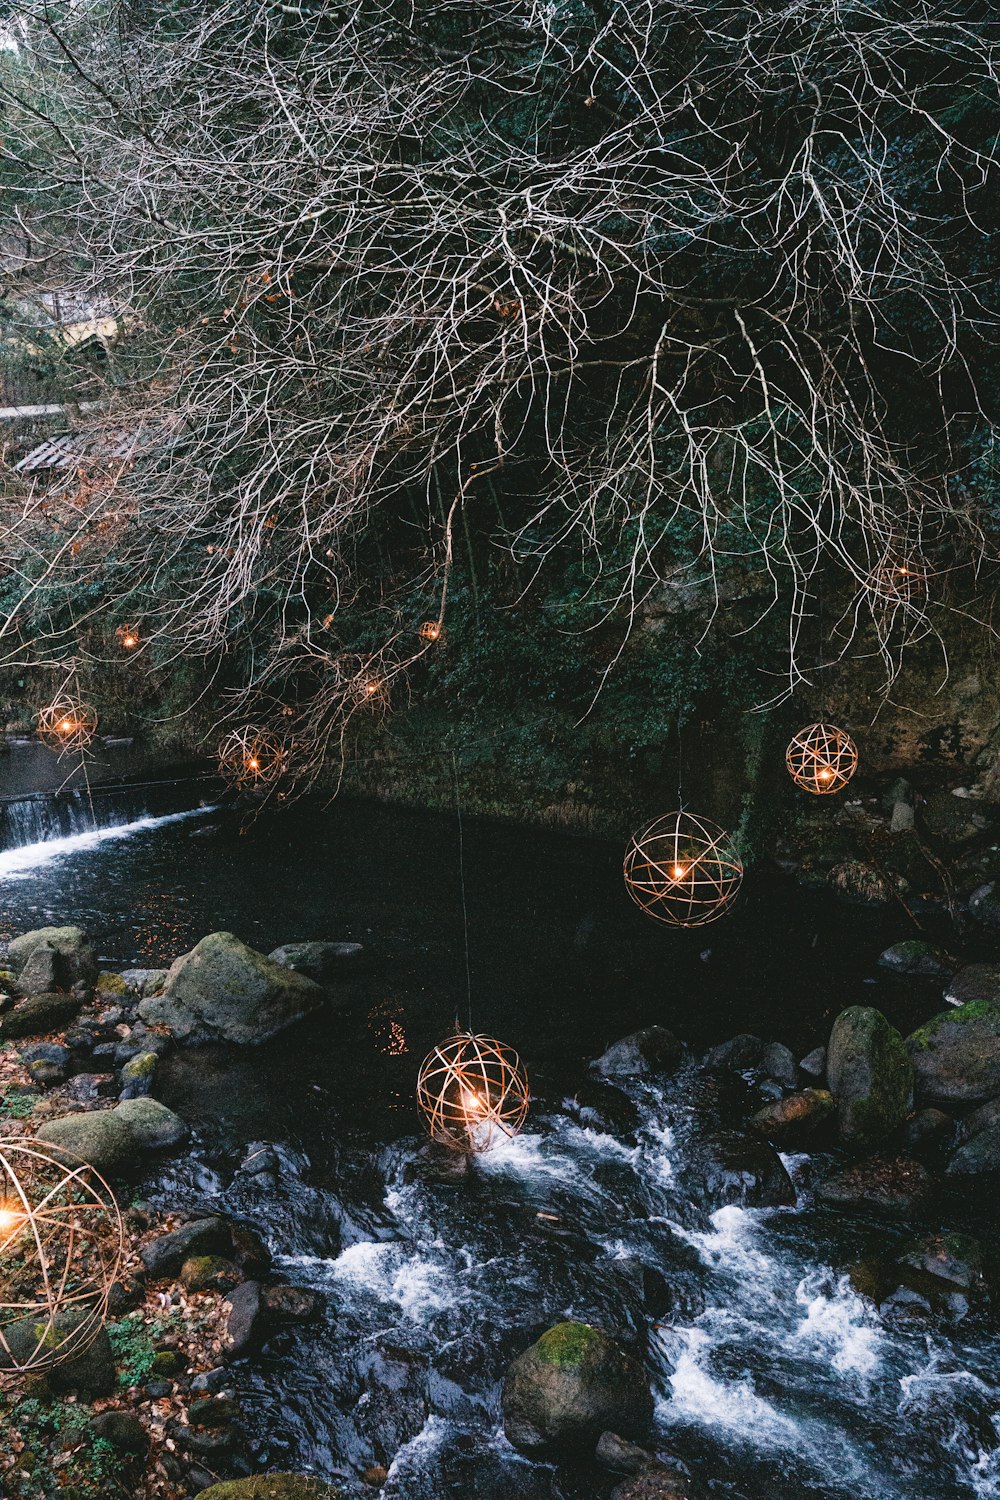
(20, 863)
(838, 1326)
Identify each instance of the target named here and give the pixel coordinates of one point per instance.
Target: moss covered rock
(76, 957)
(154, 1127)
(956, 1055)
(919, 958)
(225, 991)
(571, 1386)
(272, 1487)
(870, 1076)
(210, 1273)
(97, 1137)
(39, 1014)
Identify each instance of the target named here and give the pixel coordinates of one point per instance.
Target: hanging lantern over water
(821, 759)
(682, 870)
(472, 1090)
(252, 757)
(899, 580)
(431, 631)
(61, 1246)
(67, 724)
(127, 637)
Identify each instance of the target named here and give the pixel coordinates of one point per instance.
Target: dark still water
(772, 1377)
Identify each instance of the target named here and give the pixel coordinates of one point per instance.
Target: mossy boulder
(870, 1076)
(98, 1137)
(112, 986)
(956, 1055)
(153, 1126)
(918, 958)
(39, 1014)
(272, 1487)
(90, 1369)
(210, 1273)
(77, 961)
(225, 991)
(572, 1385)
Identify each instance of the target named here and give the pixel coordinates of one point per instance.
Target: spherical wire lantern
(472, 1091)
(61, 1247)
(899, 580)
(252, 757)
(821, 759)
(682, 870)
(67, 723)
(431, 631)
(128, 637)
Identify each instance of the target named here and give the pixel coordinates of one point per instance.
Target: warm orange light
(430, 630)
(678, 872)
(128, 641)
(10, 1218)
(253, 763)
(66, 726)
(371, 688)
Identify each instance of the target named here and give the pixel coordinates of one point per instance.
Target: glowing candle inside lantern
(65, 726)
(128, 641)
(10, 1218)
(679, 872)
(825, 774)
(473, 1104)
(254, 764)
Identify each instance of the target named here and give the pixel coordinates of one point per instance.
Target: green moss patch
(568, 1344)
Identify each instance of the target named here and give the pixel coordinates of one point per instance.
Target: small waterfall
(50, 818)
(54, 815)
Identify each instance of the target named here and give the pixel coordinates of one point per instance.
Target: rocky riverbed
(896, 1136)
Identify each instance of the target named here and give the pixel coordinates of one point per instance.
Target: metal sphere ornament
(128, 637)
(472, 1090)
(431, 631)
(61, 1248)
(899, 580)
(682, 870)
(252, 757)
(821, 759)
(67, 723)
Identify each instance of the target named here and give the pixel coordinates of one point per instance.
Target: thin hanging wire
(680, 764)
(461, 881)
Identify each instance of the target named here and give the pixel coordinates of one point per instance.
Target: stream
(772, 1377)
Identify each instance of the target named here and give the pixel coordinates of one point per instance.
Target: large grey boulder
(225, 991)
(870, 1076)
(74, 956)
(956, 1055)
(571, 1386)
(165, 1255)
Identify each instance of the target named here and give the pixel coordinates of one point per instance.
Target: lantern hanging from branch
(67, 724)
(431, 631)
(61, 1247)
(252, 757)
(682, 870)
(128, 637)
(821, 758)
(472, 1090)
(899, 580)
